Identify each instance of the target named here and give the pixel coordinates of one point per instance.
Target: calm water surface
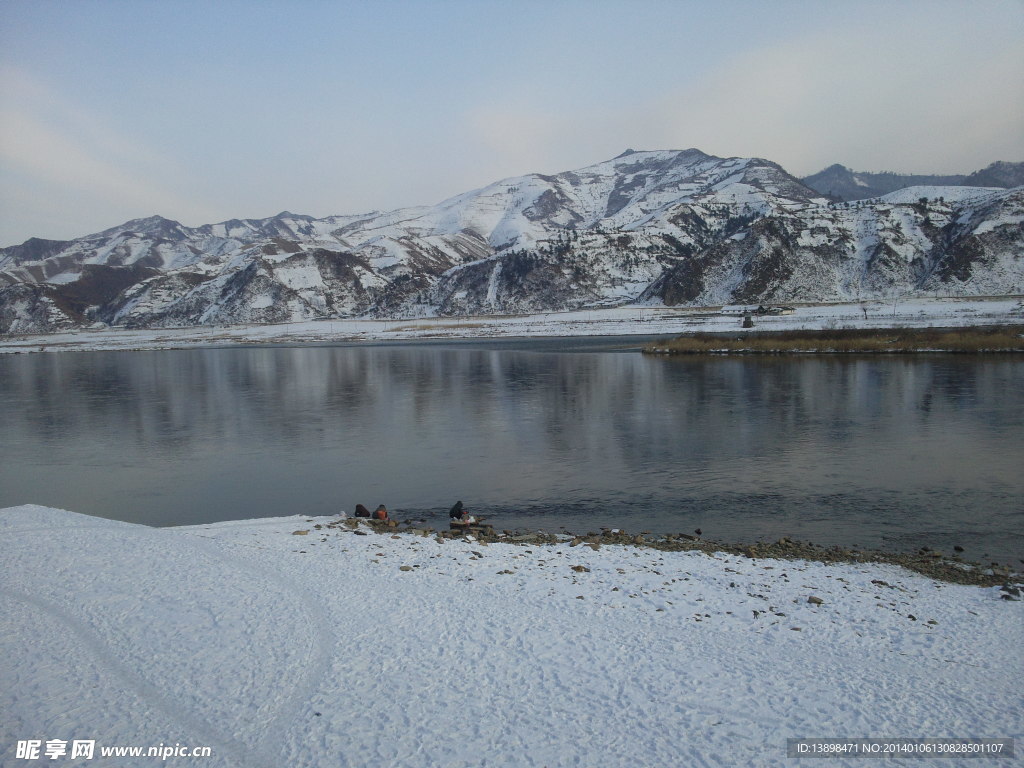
(891, 452)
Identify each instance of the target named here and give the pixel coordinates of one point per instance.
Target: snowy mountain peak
(149, 225)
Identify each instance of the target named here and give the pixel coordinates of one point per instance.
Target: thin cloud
(864, 98)
(874, 99)
(927, 87)
(48, 141)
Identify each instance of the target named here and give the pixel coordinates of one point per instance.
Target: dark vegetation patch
(98, 285)
(1000, 338)
(36, 249)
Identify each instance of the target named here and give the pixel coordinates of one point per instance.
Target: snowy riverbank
(297, 642)
(619, 321)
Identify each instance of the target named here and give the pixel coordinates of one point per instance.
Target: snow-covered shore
(618, 321)
(300, 642)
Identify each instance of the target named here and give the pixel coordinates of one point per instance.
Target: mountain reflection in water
(894, 452)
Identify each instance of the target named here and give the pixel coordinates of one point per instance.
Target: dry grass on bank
(975, 339)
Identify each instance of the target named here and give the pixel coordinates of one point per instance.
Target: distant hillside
(840, 183)
(660, 227)
(1003, 175)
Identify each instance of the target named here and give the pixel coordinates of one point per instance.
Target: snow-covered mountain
(662, 226)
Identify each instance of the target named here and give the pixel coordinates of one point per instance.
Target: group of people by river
(380, 513)
(457, 512)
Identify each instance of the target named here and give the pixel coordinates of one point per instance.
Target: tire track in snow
(312, 667)
(317, 660)
(224, 746)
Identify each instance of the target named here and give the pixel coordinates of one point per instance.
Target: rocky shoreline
(928, 562)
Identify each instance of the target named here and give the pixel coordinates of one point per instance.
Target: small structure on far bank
(743, 310)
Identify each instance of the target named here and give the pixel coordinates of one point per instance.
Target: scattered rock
(815, 600)
(405, 567)
(926, 561)
(581, 569)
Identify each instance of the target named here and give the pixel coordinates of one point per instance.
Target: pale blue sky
(204, 111)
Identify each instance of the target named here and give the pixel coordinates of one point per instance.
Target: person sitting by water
(381, 513)
(458, 514)
(362, 511)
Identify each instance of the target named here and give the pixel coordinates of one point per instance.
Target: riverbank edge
(982, 339)
(926, 562)
(625, 322)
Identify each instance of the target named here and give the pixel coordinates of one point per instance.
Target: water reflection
(879, 451)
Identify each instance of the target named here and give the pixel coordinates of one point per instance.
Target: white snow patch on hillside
(298, 274)
(949, 194)
(492, 283)
(993, 224)
(63, 278)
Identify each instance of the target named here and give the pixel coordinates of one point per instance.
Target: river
(893, 452)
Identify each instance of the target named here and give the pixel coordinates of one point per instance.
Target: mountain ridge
(842, 184)
(658, 226)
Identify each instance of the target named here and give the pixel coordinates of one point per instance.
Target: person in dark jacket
(456, 512)
(362, 511)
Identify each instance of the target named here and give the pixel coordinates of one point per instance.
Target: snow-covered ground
(330, 648)
(619, 321)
